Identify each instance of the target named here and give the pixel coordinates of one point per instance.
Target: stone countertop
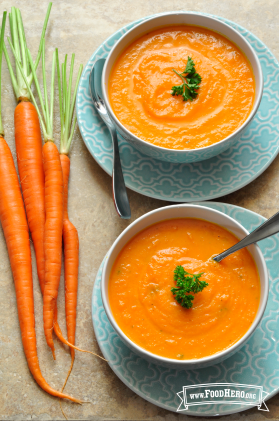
(80, 26)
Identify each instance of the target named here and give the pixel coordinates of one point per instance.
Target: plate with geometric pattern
(215, 177)
(257, 362)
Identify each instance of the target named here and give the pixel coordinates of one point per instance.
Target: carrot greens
(24, 77)
(46, 118)
(1, 51)
(16, 232)
(66, 103)
(185, 284)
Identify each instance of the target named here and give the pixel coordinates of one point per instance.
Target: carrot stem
(1, 50)
(64, 84)
(66, 103)
(59, 92)
(16, 48)
(11, 26)
(13, 78)
(20, 51)
(22, 43)
(33, 70)
(47, 108)
(52, 90)
(43, 35)
(72, 133)
(75, 92)
(45, 90)
(28, 87)
(68, 98)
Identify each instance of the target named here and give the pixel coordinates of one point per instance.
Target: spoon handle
(119, 192)
(268, 228)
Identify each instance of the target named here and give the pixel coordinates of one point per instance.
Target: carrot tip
(53, 353)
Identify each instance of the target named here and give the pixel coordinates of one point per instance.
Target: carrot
(15, 228)
(53, 199)
(50, 317)
(28, 140)
(70, 234)
(14, 224)
(47, 127)
(38, 197)
(71, 262)
(29, 147)
(53, 235)
(71, 259)
(30, 167)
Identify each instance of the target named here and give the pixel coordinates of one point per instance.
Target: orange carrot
(15, 228)
(30, 167)
(71, 259)
(71, 262)
(53, 267)
(53, 201)
(53, 235)
(28, 137)
(70, 234)
(14, 224)
(30, 164)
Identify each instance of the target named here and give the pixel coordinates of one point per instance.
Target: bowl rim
(204, 148)
(209, 360)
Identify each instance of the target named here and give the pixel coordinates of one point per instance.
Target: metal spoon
(268, 228)
(119, 192)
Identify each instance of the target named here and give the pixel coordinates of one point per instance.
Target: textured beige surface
(80, 26)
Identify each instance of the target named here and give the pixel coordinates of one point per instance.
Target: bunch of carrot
(44, 174)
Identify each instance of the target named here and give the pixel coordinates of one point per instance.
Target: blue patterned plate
(205, 180)
(255, 364)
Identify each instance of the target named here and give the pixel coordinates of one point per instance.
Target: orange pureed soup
(145, 309)
(142, 78)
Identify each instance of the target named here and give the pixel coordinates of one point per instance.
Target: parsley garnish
(186, 283)
(191, 79)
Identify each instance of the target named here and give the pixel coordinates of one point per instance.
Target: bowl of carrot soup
(182, 87)
(169, 301)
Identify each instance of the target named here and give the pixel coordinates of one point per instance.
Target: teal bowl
(184, 211)
(183, 18)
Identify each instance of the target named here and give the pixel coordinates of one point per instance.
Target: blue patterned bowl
(184, 211)
(183, 18)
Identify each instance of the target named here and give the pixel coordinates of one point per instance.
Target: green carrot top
(1, 50)
(46, 118)
(66, 103)
(22, 81)
(26, 73)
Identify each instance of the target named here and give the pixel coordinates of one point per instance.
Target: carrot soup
(145, 308)
(143, 77)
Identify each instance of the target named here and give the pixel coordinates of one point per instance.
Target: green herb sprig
(191, 80)
(185, 284)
